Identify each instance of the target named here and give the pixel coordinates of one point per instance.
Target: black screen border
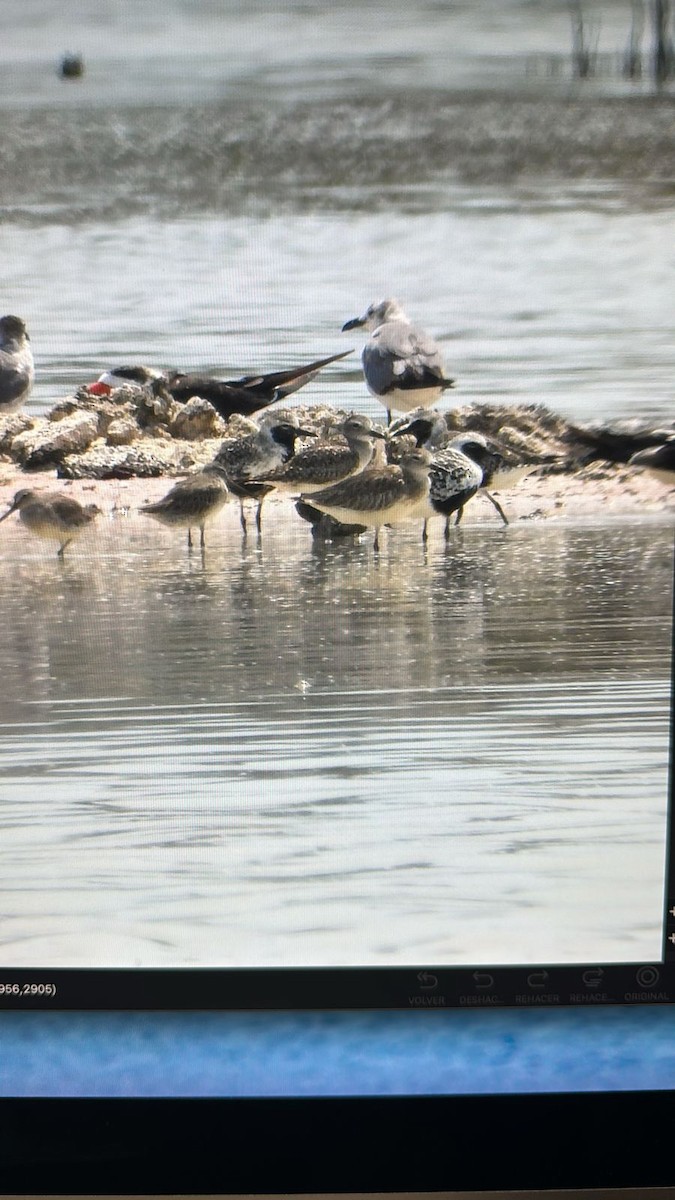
(328, 1145)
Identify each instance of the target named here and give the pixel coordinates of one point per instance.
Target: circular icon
(647, 977)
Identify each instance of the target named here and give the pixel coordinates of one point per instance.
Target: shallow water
(291, 754)
(297, 755)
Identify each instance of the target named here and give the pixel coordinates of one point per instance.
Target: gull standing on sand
(403, 366)
(52, 516)
(379, 495)
(192, 501)
(17, 370)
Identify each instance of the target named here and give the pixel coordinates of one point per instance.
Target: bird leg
(242, 516)
(498, 506)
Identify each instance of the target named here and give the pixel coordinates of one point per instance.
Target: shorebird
(328, 462)
(52, 516)
(658, 460)
(17, 370)
(402, 365)
(499, 466)
(379, 495)
(249, 459)
(192, 501)
(228, 396)
(454, 477)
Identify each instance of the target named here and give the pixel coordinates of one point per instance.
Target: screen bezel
(326, 1145)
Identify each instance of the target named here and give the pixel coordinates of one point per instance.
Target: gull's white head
(377, 314)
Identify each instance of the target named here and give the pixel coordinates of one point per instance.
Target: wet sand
(597, 492)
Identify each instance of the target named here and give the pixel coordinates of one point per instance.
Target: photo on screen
(389, 685)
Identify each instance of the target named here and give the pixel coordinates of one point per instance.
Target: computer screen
(335, 828)
(412, 750)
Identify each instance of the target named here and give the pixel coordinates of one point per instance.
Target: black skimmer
(402, 365)
(244, 396)
(192, 501)
(52, 516)
(17, 370)
(118, 377)
(379, 495)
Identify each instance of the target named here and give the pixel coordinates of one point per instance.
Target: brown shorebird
(402, 366)
(192, 501)
(52, 516)
(327, 462)
(17, 371)
(247, 460)
(379, 495)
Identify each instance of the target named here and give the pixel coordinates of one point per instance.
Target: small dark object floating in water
(71, 66)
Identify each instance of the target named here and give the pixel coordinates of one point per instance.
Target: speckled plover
(454, 477)
(17, 370)
(327, 462)
(248, 459)
(500, 467)
(52, 516)
(192, 501)
(379, 495)
(402, 365)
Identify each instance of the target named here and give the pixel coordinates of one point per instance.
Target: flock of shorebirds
(368, 478)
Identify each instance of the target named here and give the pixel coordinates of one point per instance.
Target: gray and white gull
(403, 366)
(17, 370)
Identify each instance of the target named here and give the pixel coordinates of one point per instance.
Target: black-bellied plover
(658, 460)
(379, 495)
(402, 365)
(192, 501)
(17, 370)
(454, 477)
(500, 466)
(52, 516)
(248, 459)
(327, 462)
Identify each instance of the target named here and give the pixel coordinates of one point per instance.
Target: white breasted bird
(403, 366)
(17, 370)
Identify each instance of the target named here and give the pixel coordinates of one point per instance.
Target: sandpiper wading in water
(52, 516)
